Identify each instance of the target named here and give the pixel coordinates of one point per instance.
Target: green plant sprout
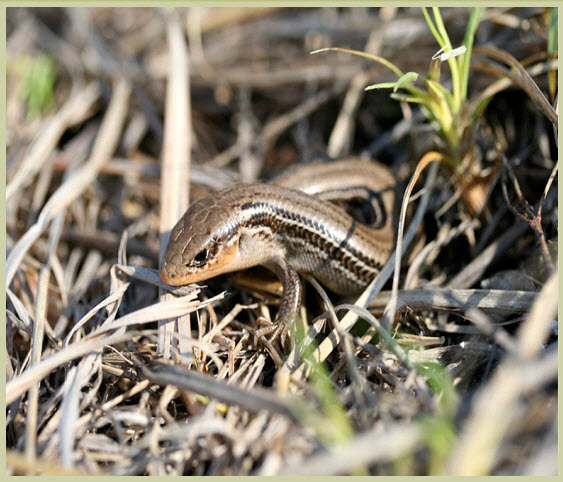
(38, 77)
(443, 107)
(328, 420)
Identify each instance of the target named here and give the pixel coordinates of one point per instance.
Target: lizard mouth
(225, 262)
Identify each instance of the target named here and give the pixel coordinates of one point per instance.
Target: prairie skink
(289, 226)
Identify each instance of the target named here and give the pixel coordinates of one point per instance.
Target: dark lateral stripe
(370, 199)
(291, 223)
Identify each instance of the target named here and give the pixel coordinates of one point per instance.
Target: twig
(547, 188)
(524, 211)
(254, 400)
(459, 300)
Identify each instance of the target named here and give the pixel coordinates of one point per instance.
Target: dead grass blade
(98, 339)
(19, 385)
(533, 333)
(106, 142)
(375, 446)
(76, 109)
(493, 408)
(176, 153)
(523, 80)
(158, 311)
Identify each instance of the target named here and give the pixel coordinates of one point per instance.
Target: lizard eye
(200, 258)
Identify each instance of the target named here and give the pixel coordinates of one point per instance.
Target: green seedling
(442, 106)
(38, 76)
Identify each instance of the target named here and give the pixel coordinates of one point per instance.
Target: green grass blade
(381, 85)
(442, 92)
(408, 78)
(38, 77)
(441, 28)
(465, 60)
(432, 27)
(399, 96)
(441, 35)
(552, 33)
(481, 106)
(391, 66)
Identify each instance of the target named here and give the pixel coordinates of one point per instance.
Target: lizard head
(202, 245)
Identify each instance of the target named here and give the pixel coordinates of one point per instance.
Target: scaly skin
(288, 231)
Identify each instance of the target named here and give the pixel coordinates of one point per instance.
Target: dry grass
(109, 371)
